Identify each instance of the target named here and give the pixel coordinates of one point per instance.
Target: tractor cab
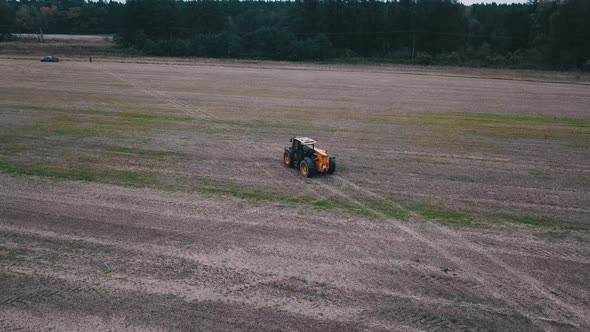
(302, 147)
(304, 155)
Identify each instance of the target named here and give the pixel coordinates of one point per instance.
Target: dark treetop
(550, 34)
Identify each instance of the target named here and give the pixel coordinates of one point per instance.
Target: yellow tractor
(304, 155)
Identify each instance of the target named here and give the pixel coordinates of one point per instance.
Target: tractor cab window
(295, 145)
(307, 148)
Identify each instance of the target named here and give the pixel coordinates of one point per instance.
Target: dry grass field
(149, 194)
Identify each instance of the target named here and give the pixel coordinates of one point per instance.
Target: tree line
(540, 33)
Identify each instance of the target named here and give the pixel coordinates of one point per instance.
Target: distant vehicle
(310, 160)
(50, 58)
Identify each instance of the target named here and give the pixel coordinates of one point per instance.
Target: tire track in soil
(189, 291)
(183, 108)
(567, 252)
(517, 275)
(150, 249)
(141, 256)
(196, 293)
(217, 124)
(214, 122)
(464, 265)
(480, 158)
(432, 322)
(249, 286)
(46, 295)
(494, 202)
(252, 211)
(9, 326)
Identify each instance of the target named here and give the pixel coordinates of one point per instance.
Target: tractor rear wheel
(305, 169)
(287, 159)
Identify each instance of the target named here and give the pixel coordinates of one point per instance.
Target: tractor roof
(304, 140)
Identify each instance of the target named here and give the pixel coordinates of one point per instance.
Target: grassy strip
(508, 118)
(124, 115)
(529, 220)
(124, 178)
(274, 124)
(376, 209)
(367, 60)
(496, 126)
(258, 196)
(504, 126)
(541, 221)
(373, 209)
(79, 128)
(13, 254)
(83, 123)
(439, 213)
(323, 204)
(141, 152)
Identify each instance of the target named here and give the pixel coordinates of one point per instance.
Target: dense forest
(540, 33)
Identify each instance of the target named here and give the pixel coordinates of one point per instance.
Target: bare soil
(149, 194)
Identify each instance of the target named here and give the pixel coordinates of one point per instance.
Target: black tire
(287, 159)
(332, 167)
(306, 167)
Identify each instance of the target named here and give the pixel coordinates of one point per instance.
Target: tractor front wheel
(305, 169)
(332, 167)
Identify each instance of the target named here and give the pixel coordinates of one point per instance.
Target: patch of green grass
(12, 254)
(390, 210)
(490, 118)
(18, 169)
(88, 160)
(94, 112)
(283, 125)
(284, 287)
(557, 234)
(247, 195)
(323, 203)
(439, 213)
(460, 178)
(460, 126)
(106, 270)
(371, 209)
(12, 145)
(358, 60)
(528, 119)
(505, 126)
(361, 211)
(529, 220)
(137, 151)
(125, 178)
(557, 225)
(305, 290)
(295, 200)
(375, 209)
(147, 116)
(132, 179)
(80, 123)
(262, 196)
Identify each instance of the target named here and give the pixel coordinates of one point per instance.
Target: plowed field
(150, 194)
